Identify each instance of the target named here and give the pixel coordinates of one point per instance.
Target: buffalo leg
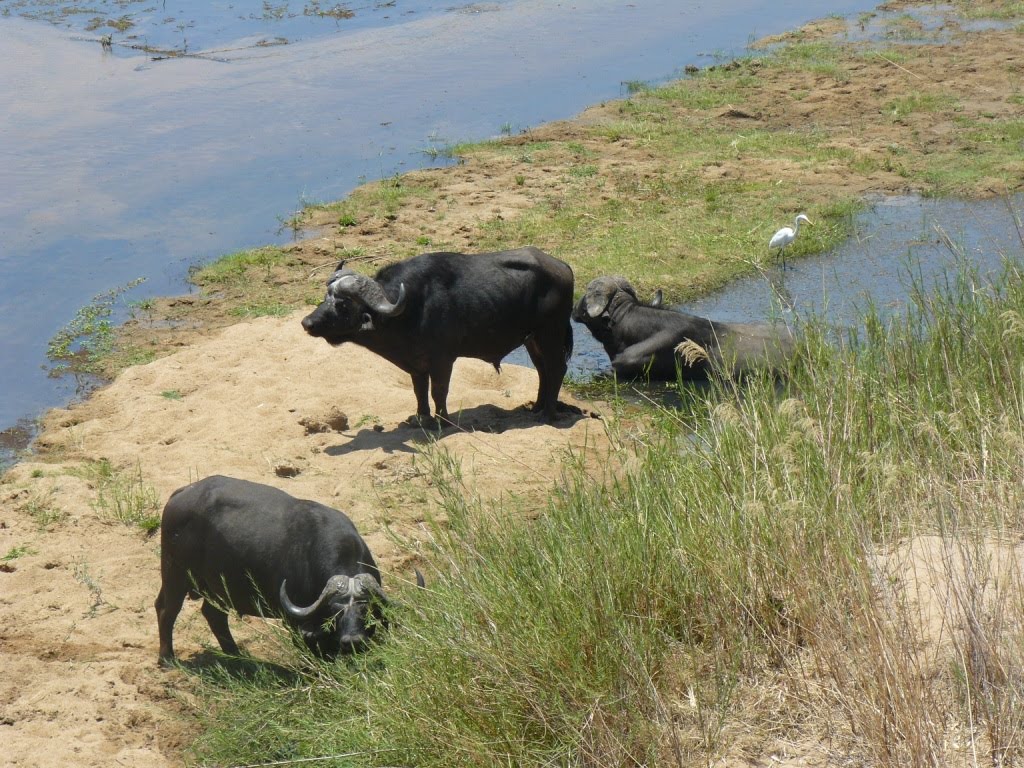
(548, 356)
(440, 379)
(168, 605)
(420, 386)
(654, 356)
(540, 363)
(218, 621)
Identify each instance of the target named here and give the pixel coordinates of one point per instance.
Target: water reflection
(914, 25)
(190, 27)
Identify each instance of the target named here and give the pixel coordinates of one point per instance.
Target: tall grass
(834, 565)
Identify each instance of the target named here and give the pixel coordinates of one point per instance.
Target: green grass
(818, 57)
(439, 152)
(20, 550)
(904, 27)
(261, 309)
(235, 267)
(918, 102)
(122, 495)
(1003, 11)
(339, 11)
(711, 88)
(381, 200)
(84, 343)
(738, 582)
(128, 356)
(42, 508)
(122, 24)
(990, 151)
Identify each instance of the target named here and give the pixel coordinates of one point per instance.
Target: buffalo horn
(369, 292)
(376, 299)
(336, 585)
(344, 281)
(599, 296)
(602, 289)
(364, 582)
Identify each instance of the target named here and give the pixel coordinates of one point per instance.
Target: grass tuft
(122, 495)
(234, 267)
(84, 343)
(20, 550)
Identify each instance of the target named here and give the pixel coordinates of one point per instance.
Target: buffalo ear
(659, 297)
(341, 265)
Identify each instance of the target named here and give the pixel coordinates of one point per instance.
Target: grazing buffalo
(652, 341)
(423, 313)
(254, 549)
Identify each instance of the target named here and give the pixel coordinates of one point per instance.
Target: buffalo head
(343, 618)
(352, 305)
(605, 298)
(602, 293)
(599, 294)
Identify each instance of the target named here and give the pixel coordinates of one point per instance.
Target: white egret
(785, 236)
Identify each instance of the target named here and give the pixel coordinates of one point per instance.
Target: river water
(204, 124)
(897, 243)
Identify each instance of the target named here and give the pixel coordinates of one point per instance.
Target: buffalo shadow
(213, 666)
(482, 418)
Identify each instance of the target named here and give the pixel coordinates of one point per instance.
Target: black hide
(643, 340)
(423, 313)
(234, 542)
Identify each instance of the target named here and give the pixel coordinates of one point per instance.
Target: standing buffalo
(253, 549)
(423, 313)
(649, 340)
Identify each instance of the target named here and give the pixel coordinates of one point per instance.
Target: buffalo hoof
(426, 422)
(561, 409)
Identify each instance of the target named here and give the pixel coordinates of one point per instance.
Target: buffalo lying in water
(648, 340)
(423, 313)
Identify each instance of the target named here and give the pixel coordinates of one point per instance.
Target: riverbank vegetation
(678, 186)
(832, 570)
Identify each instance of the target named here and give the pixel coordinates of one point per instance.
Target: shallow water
(894, 239)
(924, 24)
(118, 164)
(897, 242)
(212, 28)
